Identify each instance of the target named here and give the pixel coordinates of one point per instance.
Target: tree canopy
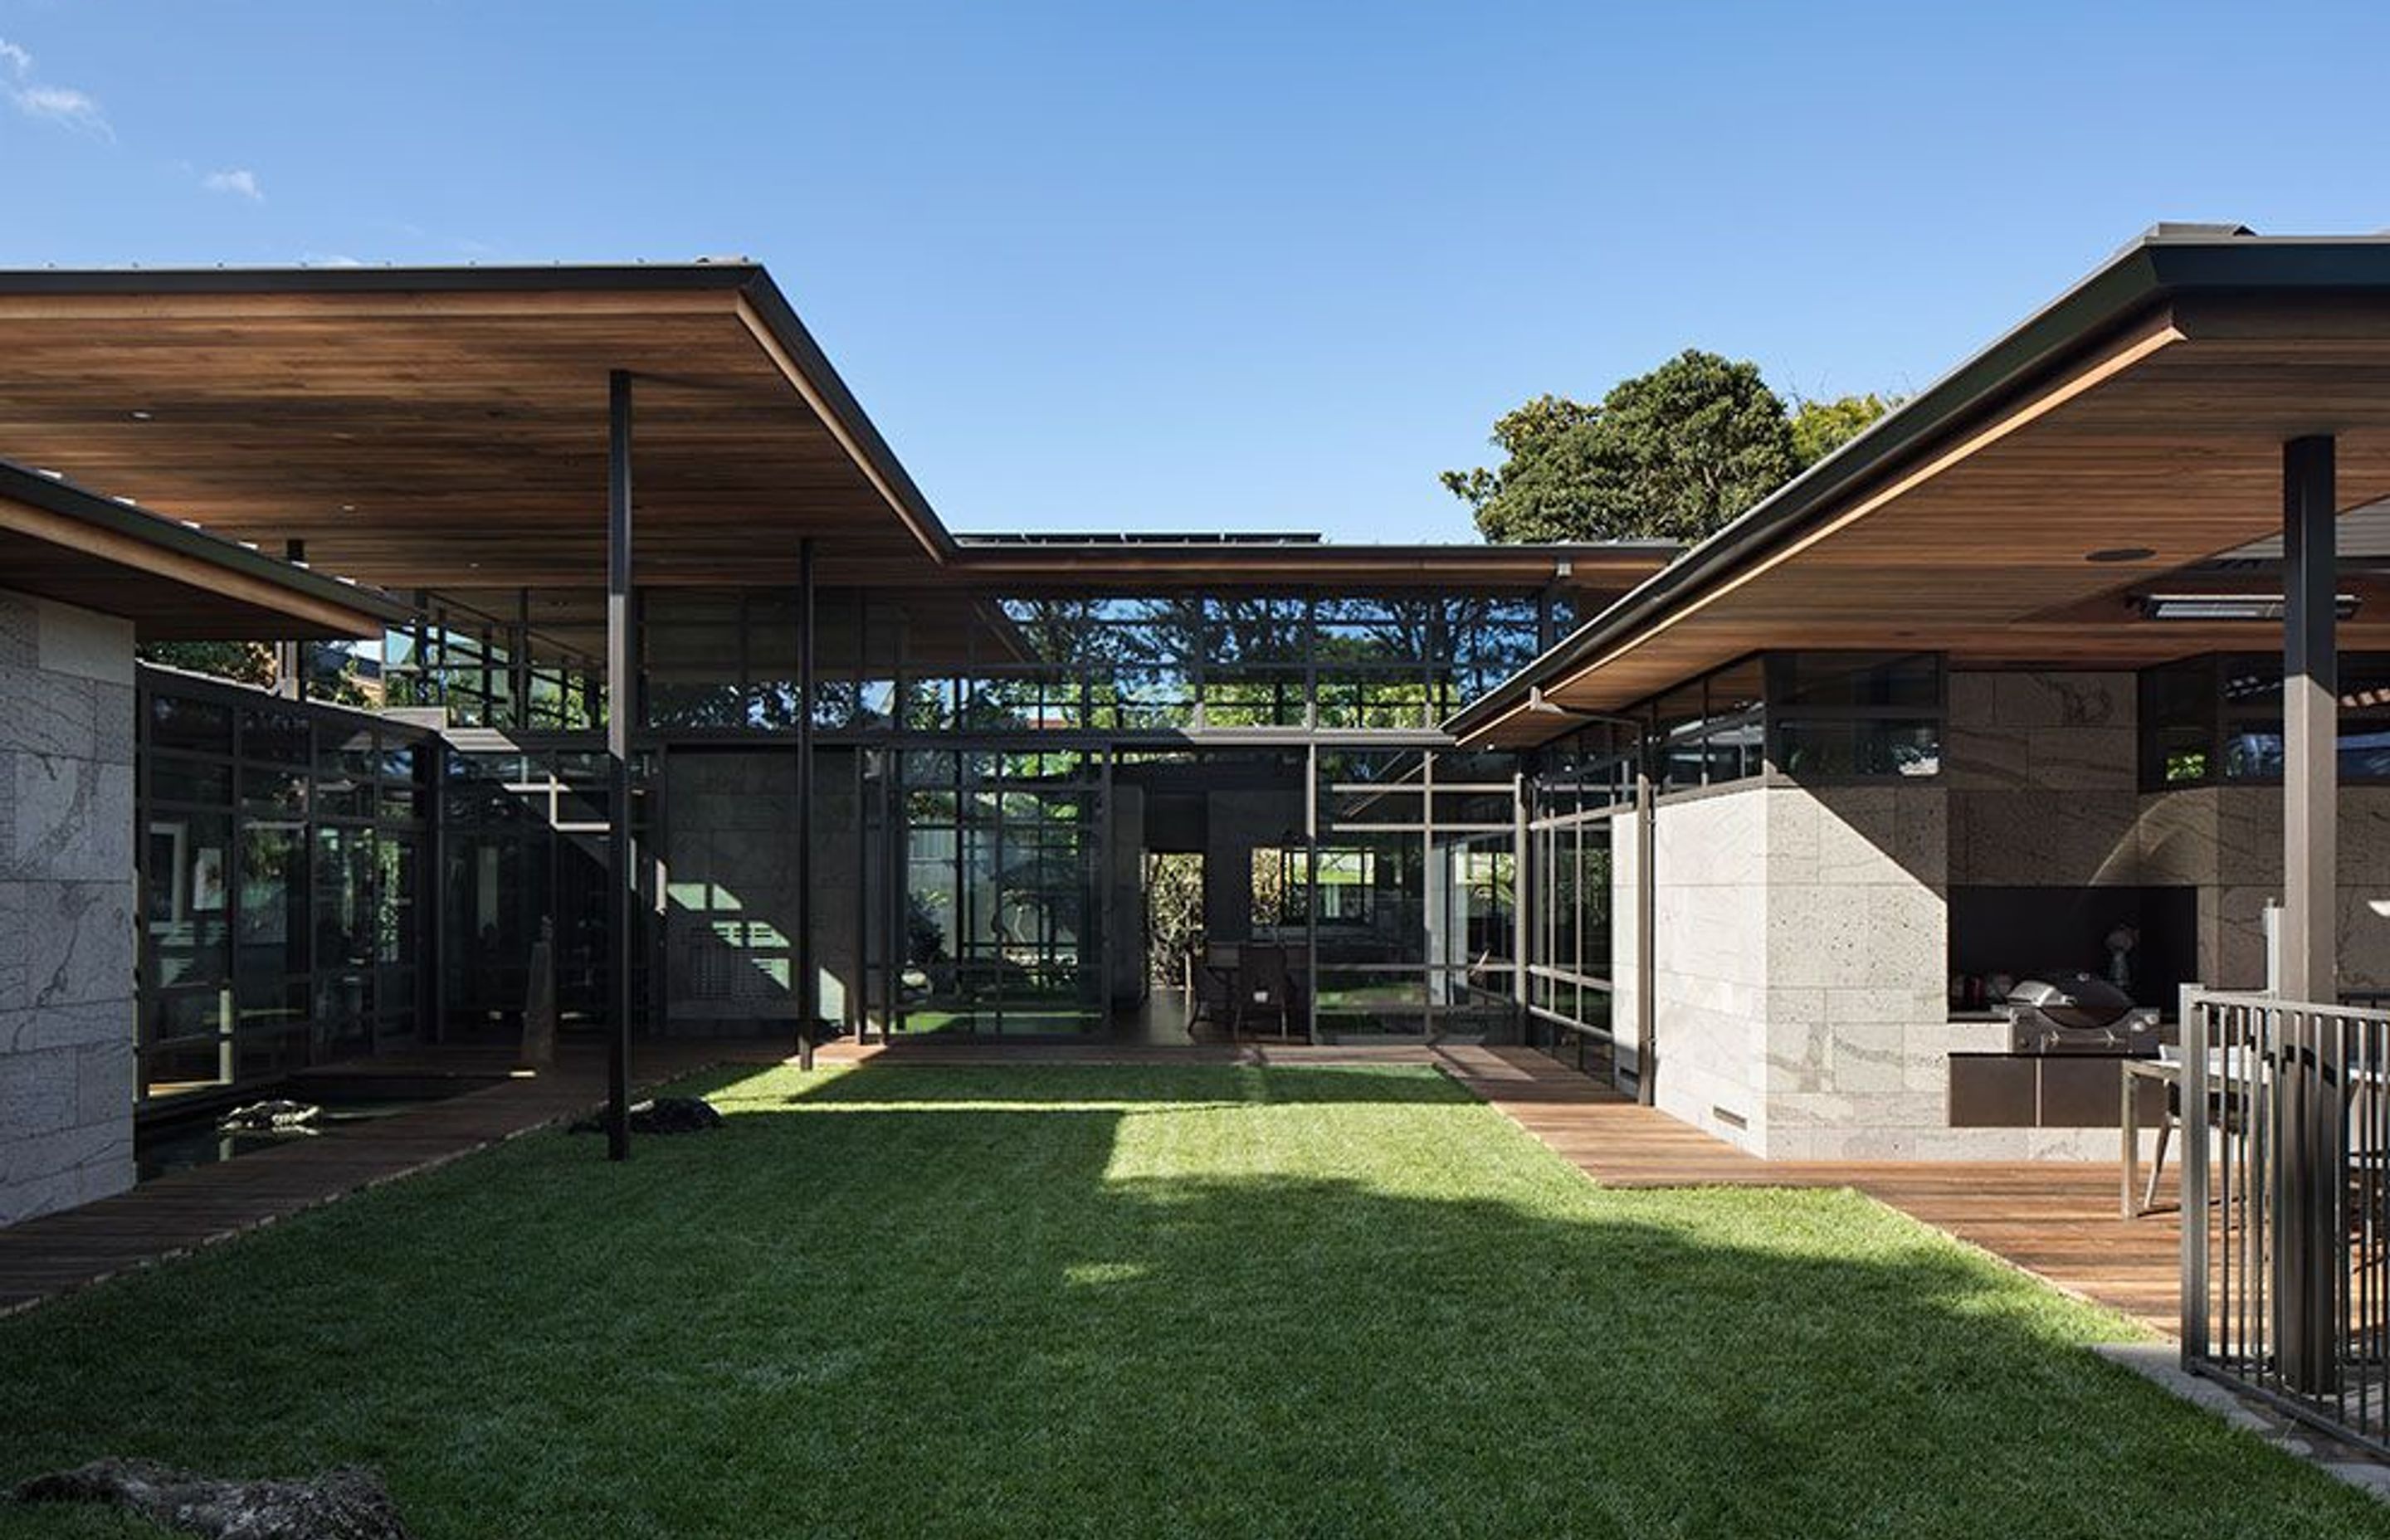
(328, 670)
(1669, 455)
(1821, 427)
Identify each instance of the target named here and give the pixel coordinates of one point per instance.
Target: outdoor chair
(1211, 986)
(1265, 988)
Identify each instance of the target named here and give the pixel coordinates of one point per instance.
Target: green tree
(1821, 427)
(1540, 484)
(243, 662)
(1670, 454)
(329, 669)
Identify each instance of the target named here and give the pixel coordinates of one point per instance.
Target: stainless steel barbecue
(2080, 1013)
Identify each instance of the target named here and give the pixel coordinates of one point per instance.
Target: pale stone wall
(1857, 950)
(2227, 840)
(2043, 776)
(66, 907)
(1803, 944)
(1799, 956)
(1802, 948)
(1710, 959)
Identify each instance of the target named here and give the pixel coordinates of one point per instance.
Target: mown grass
(1128, 1302)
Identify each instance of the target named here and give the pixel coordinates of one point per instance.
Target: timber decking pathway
(2056, 1219)
(184, 1211)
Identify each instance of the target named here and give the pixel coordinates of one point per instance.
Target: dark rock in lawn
(338, 1505)
(663, 1115)
(278, 1116)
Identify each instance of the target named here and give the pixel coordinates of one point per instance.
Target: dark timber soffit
(107, 533)
(2169, 261)
(748, 279)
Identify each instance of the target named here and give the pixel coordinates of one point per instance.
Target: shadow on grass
(1338, 1304)
(1077, 1084)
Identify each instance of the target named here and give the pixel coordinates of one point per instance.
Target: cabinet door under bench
(2007, 1090)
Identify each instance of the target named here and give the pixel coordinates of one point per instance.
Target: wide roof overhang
(61, 541)
(2012, 513)
(447, 427)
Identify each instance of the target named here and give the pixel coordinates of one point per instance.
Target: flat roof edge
(2150, 271)
(57, 496)
(791, 332)
(504, 279)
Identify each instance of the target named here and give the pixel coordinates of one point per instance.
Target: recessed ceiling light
(2120, 553)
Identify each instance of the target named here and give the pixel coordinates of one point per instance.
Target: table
(2167, 1073)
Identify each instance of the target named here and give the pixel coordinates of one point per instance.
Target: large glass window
(487, 671)
(273, 865)
(1569, 968)
(1855, 715)
(2219, 718)
(1003, 893)
(1408, 897)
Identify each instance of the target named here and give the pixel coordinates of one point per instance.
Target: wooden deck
(2056, 1219)
(186, 1210)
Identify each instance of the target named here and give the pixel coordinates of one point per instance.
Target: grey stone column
(66, 907)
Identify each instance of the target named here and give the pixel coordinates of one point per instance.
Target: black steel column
(290, 656)
(519, 659)
(432, 898)
(859, 988)
(1647, 941)
(808, 983)
(894, 950)
(2306, 1260)
(621, 701)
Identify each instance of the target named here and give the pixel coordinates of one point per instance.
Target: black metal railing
(2286, 1205)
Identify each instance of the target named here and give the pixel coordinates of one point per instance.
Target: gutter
(66, 499)
(2164, 264)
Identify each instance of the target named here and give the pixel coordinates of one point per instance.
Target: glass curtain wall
(1411, 908)
(1584, 795)
(523, 842)
(488, 671)
(982, 727)
(1004, 893)
(1125, 665)
(280, 867)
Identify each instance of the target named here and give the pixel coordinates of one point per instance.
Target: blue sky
(1224, 266)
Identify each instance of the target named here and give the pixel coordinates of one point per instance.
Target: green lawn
(1121, 1302)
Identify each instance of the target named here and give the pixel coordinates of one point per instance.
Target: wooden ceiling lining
(2178, 451)
(439, 439)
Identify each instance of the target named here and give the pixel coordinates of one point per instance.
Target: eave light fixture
(2229, 607)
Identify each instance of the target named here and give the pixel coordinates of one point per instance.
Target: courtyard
(1149, 1298)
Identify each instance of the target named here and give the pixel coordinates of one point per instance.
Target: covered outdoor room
(85, 580)
(2018, 772)
(700, 723)
(1994, 694)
